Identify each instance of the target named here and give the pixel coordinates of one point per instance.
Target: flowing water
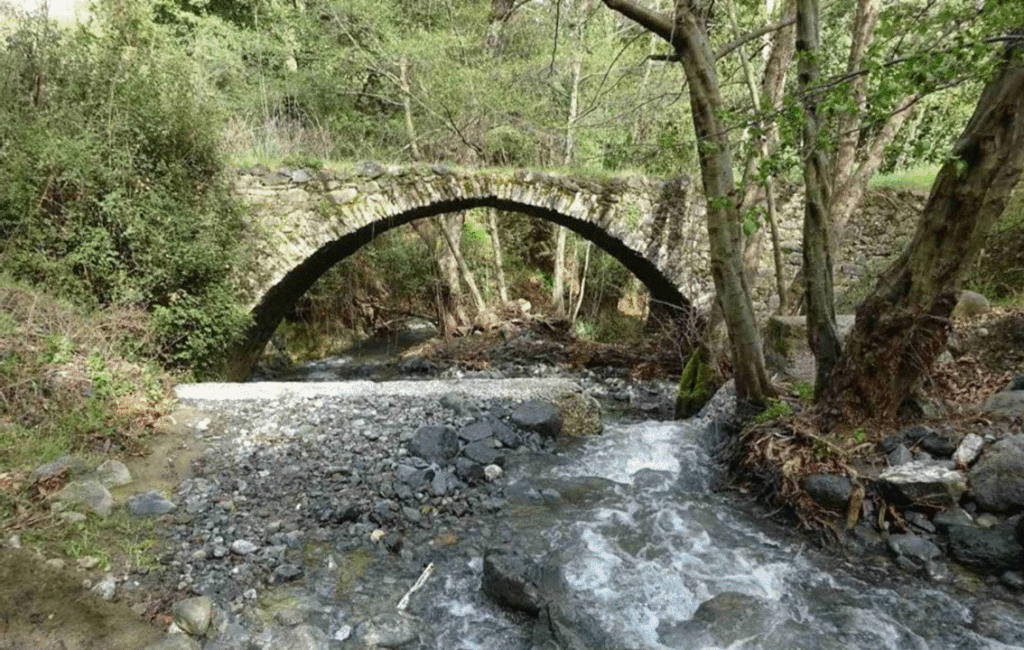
(656, 559)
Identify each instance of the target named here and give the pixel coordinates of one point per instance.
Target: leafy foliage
(111, 190)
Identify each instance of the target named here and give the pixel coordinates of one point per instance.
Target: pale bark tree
(686, 31)
(903, 324)
(821, 316)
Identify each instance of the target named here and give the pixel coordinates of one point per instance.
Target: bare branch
(658, 23)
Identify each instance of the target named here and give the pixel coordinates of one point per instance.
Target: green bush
(111, 181)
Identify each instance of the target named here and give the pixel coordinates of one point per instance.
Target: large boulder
(995, 549)
(922, 484)
(538, 416)
(516, 581)
(997, 478)
(434, 444)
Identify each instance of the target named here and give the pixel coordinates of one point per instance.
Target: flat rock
(89, 494)
(997, 478)
(994, 550)
(149, 504)
(923, 484)
(1009, 403)
(914, 547)
(538, 416)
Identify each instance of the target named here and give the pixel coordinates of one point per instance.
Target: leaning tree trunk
(902, 326)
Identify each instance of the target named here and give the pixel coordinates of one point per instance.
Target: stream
(650, 556)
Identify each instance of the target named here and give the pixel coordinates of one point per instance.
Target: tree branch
(657, 23)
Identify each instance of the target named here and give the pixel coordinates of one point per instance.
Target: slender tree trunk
(902, 326)
(686, 31)
(403, 78)
(821, 316)
(499, 264)
(451, 228)
(583, 285)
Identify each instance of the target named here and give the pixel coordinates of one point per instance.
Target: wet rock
(829, 490)
(113, 473)
(89, 494)
(516, 581)
(149, 503)
(434, 444)
(997, 479)
(915, 548)
(193, 615)
(538, 416)
(301, 637)
(566, 626)
(992, 550)
(721, 621)
(922, 484)
(388, 630)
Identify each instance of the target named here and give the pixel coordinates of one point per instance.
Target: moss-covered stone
(696, 385)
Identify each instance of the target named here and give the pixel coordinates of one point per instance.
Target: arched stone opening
(275, 302)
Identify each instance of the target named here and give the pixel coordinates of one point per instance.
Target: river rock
(148, 504)
(968, 450)
(175, 642)
(89, 494)
(939, 445)
(243, 547)
(997, 479)
(829, 490)
(994, 550)
(916, 548)
(113, 473)
(479, 430)
(305, 637)
(484, 452)
(434, 444)
(725, 620)
(193, 615)
(388, 630)
(564, 625)
(900, 455)
(538, 416)
(73, 465)
(922, 484)
(954, 516)
(516, 581)
(1008, 403)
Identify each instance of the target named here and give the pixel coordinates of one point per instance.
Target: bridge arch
(305, 222)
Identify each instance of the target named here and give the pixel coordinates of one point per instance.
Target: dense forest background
(119, 133)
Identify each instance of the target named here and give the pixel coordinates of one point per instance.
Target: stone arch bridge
(305, 221)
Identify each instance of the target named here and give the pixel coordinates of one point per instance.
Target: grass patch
(918, 179)
(118, 543)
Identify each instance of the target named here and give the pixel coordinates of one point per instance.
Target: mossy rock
(696, 385)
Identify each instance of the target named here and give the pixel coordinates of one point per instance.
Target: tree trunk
(688, 36)
(821, 314)
(451, 228)
(902, 326)
(499, 264)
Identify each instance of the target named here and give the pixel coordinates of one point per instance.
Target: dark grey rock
(434, 444)
(915, 435)
(914, 547)
(565, 625)
(899, 455)
(939, 445)
(149, 504)
(997, 478)
(469, 471)
(484, 452)
(538, 416)
(829, 490)
(993, 550)
(953, 516)
(287, 572)
(516, 581)
(478, 430)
